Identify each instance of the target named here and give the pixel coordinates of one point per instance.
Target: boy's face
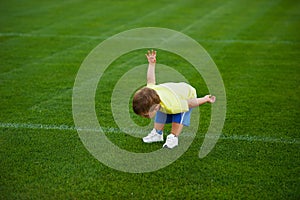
(151, 112)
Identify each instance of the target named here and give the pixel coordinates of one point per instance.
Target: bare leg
(172, 139)
(176, 128)
(159, 126)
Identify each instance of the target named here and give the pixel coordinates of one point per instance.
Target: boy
(168, 102)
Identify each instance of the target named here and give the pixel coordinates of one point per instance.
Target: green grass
(256, 46)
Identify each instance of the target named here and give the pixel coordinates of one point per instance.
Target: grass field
(256, 46)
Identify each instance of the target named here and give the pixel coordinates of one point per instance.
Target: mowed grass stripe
(91, 37)
(62, 127)
(76, 16)
(50, 58)
(110, 10)
(284, 23)
(113, 19)
(207, 21)
(37, 83)
(231, 22)
(78, 19)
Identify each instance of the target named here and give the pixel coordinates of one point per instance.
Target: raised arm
(151, 56)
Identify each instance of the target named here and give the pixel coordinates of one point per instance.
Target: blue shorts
(180, 118)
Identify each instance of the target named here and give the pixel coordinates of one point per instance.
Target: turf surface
(255, 45)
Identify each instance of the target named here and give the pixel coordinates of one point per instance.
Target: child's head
(145, 102)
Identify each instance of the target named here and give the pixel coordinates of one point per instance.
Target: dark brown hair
(144, 99)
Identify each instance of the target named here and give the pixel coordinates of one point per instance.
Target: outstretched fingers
(153, 52)
(151, 56)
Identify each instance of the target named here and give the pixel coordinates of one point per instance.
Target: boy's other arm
(151, 56)
(199, 101)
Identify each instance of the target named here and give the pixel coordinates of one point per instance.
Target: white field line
(63, 127)
(37, 35)
(230, 41)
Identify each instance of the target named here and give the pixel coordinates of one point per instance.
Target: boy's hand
(210, 98)
(151, 56)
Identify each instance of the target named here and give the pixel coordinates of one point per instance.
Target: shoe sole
(166, 146)
(148, 142)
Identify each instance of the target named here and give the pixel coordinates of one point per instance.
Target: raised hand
(151, 56)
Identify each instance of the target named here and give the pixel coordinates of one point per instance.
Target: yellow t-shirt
(174, 96)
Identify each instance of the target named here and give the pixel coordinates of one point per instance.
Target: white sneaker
(172, 141)
(153, 137)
